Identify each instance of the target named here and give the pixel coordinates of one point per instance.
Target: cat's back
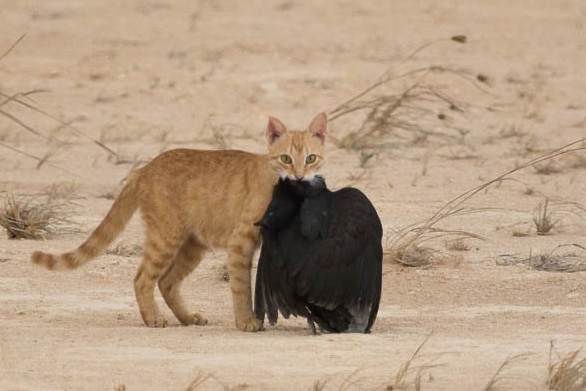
(216, 179)
(205, 191)
(193, 165)
(184, 159)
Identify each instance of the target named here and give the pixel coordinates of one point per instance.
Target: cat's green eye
(310, 159)
(286, 159)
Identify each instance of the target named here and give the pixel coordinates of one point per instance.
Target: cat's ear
(318, 127)
(275, 129)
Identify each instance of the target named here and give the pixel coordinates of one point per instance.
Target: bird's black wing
(272, 284)
(274, 289)
(341, 266)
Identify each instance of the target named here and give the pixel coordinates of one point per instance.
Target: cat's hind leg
(159, 253)
(187, 259)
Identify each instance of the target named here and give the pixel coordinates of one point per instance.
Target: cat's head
(294, 154)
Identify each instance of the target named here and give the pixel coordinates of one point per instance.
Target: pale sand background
(147, 76)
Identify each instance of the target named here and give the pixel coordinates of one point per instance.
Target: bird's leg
(311, 325)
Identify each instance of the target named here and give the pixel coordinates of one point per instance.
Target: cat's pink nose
(299, 177)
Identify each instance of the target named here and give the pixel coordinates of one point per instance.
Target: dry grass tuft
(406, 246)
(568, 262)
(568, 373)
(400, 382)
(500, 375)
(411, 254)
(319, 385)
(542, 218)
(203, 377)
(406, 108)
(409, 375)
(457, 245)
(417, 113)
(401, 375)
(24, 219)
(348, 383)
(199, 379)
(125, 250)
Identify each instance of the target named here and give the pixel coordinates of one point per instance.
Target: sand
(141, 77)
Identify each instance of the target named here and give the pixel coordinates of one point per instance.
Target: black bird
(321, 257)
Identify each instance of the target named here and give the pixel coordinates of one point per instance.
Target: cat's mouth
(299, 178)
(305, 178)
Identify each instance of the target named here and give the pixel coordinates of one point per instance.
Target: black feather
(321, 257)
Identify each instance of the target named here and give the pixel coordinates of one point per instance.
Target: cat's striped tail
(112, 225)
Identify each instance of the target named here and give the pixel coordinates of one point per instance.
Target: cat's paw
(158, 321)
(195, 319)
(251, 324)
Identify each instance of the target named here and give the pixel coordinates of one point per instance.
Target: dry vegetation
(125, 249)
(404, 377)
(23, 100)
(25, 218)
(551, 261)
(566, 372)
(405, 245)
(424, 108)
(414, 115)
(500, 378)
(542, 218)
(391, 118)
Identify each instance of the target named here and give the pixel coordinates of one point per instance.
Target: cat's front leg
(241, 248)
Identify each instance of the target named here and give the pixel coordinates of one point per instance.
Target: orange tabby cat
(193, 200)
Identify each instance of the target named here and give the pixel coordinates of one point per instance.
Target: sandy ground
(147, 76)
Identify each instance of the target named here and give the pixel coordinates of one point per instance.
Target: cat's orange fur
(194, 200)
